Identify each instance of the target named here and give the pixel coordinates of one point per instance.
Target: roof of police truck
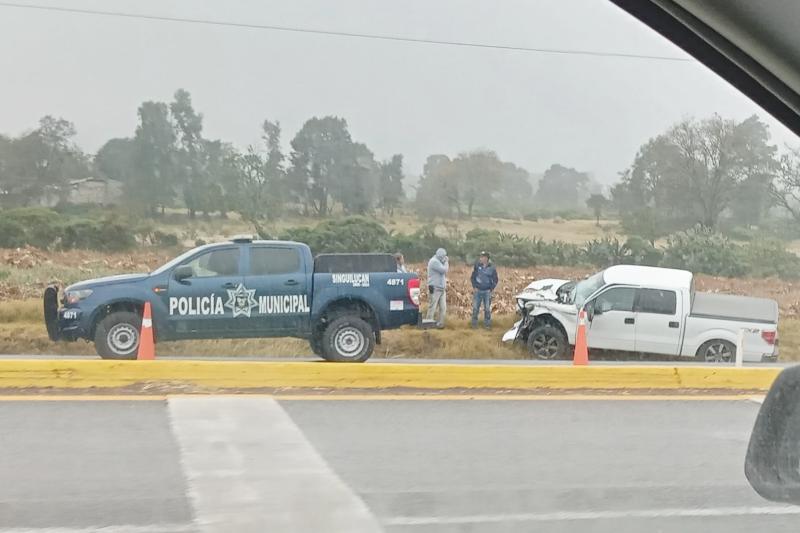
(648, 276)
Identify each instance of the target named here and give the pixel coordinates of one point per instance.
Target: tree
(155, 164)
(647, 223)
(44, 159)
(472, 181)
(116, 159)
(716, 156)
(436, 194)
(391, 184)
(785, 190)
(322, 154)
(597, 202)
(252, 185)
(257, 183)
(516, 191)
(190, 156)
(220, 168)
(560, 187)
(478, 175)
(699, 169)
(357, 180)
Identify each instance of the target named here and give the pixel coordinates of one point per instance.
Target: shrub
(41, 227)
(605, 252)
(107, 235)
(702, 250)
(351, 234)
(12, 233)
(160, 238)
(770, 258)
(421, 245)
(641, 252)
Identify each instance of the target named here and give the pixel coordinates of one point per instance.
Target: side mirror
(183, 272)
(589, 311)
(772, 465)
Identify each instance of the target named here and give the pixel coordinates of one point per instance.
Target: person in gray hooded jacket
(437, 286)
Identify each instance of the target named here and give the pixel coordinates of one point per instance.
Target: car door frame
(627, 319)
(187, 327)
(264, 323)
(671, 323)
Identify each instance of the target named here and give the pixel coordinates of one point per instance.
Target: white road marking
(757, 399)
(151, 528)
(250, 468)
(561, 516)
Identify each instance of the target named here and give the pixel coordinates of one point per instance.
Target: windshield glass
(175, 262)
(585, 288)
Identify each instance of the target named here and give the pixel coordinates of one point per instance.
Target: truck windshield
(585, 288)
(174, 262)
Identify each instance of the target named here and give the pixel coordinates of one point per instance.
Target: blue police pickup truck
(243, 288)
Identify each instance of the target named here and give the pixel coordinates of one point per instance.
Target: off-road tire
(117, 335)
(316, 344)
(547, 342)
(348, 339)
(722, 347)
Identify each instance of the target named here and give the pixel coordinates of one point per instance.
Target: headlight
(73, 297)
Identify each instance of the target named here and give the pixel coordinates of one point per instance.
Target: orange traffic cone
(147, 347)
(581, 355)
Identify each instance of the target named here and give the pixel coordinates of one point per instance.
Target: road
(255, 463)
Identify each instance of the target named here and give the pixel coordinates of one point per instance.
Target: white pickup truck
(646, 310)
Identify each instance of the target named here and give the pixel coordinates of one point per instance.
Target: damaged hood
(543, 289)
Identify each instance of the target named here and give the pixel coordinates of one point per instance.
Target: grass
(22, 332)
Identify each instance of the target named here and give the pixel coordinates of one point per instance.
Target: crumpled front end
(63, 324)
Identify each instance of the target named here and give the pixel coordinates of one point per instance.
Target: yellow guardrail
(242, 375)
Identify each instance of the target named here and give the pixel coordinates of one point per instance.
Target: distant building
(97, 191)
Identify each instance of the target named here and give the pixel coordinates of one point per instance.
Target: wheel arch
(707, 336)
(552, 320)
(132, 305)
(344, 306)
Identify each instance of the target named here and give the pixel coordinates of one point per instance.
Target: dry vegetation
(24, 273)
(572, 231)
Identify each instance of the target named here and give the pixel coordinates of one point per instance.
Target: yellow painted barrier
(239, 375)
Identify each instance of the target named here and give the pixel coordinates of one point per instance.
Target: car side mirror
(773, 455)
(589, 308)
(183, 272)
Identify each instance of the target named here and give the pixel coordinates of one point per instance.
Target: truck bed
(343, 263)
(730, 307)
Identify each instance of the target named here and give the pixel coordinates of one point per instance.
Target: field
(24, 273)
(572, 231)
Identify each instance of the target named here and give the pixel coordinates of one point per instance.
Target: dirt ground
(24, 273)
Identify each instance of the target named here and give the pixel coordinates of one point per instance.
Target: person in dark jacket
(484, 281)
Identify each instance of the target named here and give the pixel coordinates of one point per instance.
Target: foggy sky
(534, 109)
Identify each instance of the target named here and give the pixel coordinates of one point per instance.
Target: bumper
(511, 335)
(62, 324)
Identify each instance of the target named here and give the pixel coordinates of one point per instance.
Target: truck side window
(618, 299)
(266, 261)
(216, 263)
(657, 301)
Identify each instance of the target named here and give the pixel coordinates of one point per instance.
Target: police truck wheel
(117, 336)
(547, 342)
(348, 339)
